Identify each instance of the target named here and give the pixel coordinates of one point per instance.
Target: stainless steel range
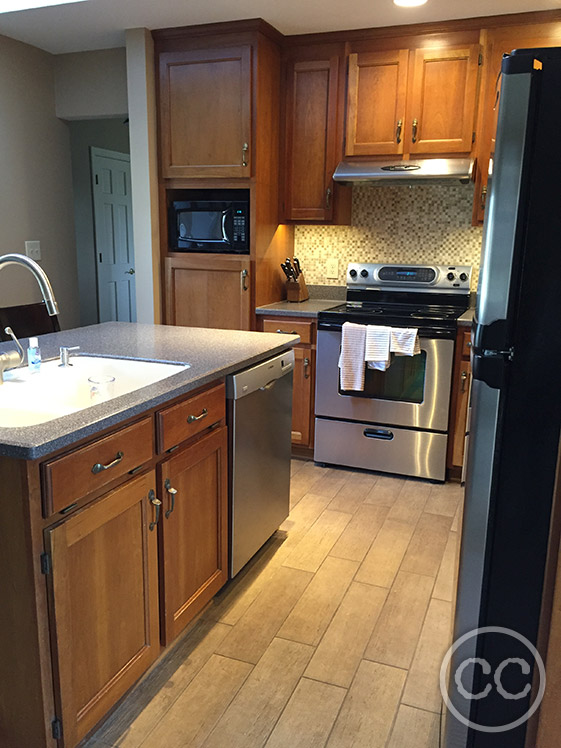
(399, 422)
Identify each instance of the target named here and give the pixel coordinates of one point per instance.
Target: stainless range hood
(417, 171)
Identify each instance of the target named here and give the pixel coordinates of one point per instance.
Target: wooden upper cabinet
(311, 148)
(205, 112)
(376, 99)
(208, 291)
(442, 102)
(105, 602)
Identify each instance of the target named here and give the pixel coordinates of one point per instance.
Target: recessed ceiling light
(409, 3)
(9, 6)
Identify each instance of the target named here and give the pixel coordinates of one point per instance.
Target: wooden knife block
(296, 290)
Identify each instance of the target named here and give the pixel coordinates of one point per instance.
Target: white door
(111, 178)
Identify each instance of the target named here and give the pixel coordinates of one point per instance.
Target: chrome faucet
(10, 359)
(40, 277)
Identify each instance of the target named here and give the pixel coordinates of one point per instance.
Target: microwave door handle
(224, 233)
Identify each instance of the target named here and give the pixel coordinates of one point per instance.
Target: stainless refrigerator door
(501, 221)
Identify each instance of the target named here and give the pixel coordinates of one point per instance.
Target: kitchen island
(115, 527)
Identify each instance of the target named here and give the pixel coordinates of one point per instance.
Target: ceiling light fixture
(9, 6)
(409, 3)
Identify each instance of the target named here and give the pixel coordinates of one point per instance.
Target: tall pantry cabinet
(218, 108)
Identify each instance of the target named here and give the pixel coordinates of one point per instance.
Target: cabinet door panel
(208, 292)
(311, 139)
(376, 103)
(206, 112)
(194, 529)
(462, 399)
(105, 603)
(441, 109)
(302, 396)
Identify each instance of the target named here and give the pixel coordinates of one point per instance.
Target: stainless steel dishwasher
(260, 419)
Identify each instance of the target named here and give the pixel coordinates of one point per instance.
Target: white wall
(35, 179)
(91, 84)
(144, 172)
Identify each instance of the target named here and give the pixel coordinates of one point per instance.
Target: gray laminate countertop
(466, 319)
(212, 354)
(309, 308)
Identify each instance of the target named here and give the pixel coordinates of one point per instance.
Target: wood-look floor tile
(368, 712)
(308, 717)
(200, 706)
(457, 523)
(386, 553)
(415, 728)
(252, 715)
(446, 581)
(330, 484)
(444, 499)
(422, 687)
(303, 481)
(427, 545)
(296, 464)
(311, 551)
(340, 651)
(147, 703)
(385, 491)
(355, 489)
(302, 517)
(359, 534)
(258, 626)
(410, 502)
(397, 630)
(312, 613)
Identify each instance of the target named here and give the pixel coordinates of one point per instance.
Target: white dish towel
(377, 349)
(351, 360)
(405, 341)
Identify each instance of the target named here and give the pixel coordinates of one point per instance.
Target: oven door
(413, 392)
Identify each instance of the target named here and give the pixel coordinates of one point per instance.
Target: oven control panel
(448, 278)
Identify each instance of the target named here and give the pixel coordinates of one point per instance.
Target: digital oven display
(418, 275)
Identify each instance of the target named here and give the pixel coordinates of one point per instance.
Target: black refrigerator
(493, 678)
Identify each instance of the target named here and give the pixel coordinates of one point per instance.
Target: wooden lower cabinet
(104, 595)
(194, 529)
(208, 291)
(461, 386)
(302, 398)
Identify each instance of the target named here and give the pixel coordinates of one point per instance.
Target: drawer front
(291, 327)
(184, 420)
(466, 344)
(71, 477)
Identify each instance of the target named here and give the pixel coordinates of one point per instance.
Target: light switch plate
(33, 250)
(332, 268)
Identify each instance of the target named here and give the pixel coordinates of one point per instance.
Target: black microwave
(210, 221)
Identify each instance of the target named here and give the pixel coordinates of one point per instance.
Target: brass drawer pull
(192, 419)
(286, 332)
(245, 149)
(398, 131)
(158, 504)
(99, 468)
(463, 377)
(243, 275)
(414, 130)
(328, 198)
(172, 491)
(306, 368)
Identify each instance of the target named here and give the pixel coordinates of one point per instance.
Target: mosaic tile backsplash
(416, 225)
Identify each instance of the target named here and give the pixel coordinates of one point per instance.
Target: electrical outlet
(33, 250)
(332, 268)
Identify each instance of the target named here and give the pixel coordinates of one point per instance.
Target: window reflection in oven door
(413, 392)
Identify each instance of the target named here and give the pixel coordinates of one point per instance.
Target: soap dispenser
(33, 356)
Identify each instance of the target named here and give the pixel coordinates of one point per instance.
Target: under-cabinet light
(409, 3)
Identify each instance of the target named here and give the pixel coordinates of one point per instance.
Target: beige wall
(35, 179)
(91, 84)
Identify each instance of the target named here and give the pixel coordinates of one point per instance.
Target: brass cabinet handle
(306, 368)
(243, 275)
(328, 197)
(414, 130)
(245, 149)
(286, 332)
(483, 197)
(99, 468)
(398, 131)
(158, 504)
(192, 419)
(171, 491)
(463, 377)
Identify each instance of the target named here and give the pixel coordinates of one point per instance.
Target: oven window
(404, 380)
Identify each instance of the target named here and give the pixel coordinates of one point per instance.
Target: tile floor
(332, 636)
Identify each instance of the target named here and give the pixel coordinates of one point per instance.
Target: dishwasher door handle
(268, 386)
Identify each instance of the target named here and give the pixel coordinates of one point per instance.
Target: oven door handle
(330, 326)
(378, 434)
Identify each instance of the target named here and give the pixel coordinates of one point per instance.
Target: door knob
(130, 272)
